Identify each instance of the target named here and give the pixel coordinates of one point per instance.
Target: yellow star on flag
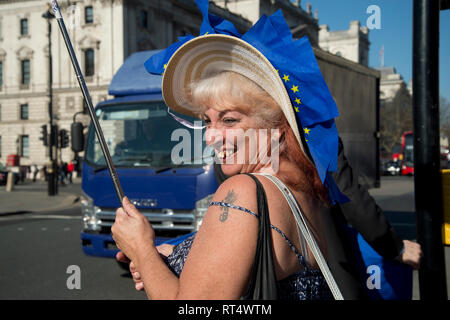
(307, 130)
(296, 109)
(294, 88)
(165, 66)
(286, 78)
(298, 101)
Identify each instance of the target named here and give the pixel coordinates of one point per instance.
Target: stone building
(103, 32)
(391, 83)
(302, 22)
(352, 44)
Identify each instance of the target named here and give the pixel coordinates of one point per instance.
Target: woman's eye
(207, 121)
(229, 120)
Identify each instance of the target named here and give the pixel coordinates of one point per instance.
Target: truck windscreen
(141, 135)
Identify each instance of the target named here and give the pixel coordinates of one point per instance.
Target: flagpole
(87, 98)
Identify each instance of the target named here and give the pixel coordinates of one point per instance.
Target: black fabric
(363, 213)
(367, 218)
(341, 261)
(263, 282)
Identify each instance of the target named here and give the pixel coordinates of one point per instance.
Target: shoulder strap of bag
(263, 284)
(304, 230)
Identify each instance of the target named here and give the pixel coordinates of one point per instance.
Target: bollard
(446, 206)
(10, 182)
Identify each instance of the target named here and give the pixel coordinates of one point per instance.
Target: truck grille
(164, 223)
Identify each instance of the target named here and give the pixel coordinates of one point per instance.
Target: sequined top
(306, 284)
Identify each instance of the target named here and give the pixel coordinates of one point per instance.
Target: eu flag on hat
(296, 65)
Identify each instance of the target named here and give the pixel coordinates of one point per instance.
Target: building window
(25, 80)
(89, 67)
(24, 111)
(24, 146)
(144, 19)
(23, 27)
(1, 73)
(89, 14)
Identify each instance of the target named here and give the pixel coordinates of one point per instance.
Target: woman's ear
(277, 137)
(280, 139)
(282, 136)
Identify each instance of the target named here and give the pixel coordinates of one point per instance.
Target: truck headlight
(89, 213)
(201, 206)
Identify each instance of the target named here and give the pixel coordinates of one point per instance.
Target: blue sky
(395, 33)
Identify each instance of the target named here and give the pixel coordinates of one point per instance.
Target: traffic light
(63, 138)
(44, 135)
(54, 136)
(77, 137)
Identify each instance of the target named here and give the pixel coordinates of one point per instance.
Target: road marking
(39, 216)
(60, 217)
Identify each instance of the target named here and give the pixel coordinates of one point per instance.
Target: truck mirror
(76, 130)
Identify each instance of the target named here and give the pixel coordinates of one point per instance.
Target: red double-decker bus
(407, 168)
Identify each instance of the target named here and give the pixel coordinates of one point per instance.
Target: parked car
(391, 168)
(4, 175)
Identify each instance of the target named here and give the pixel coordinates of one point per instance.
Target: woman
(234, 89)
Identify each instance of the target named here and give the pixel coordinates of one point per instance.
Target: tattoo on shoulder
(230, 198)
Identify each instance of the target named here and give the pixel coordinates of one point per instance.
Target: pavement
(29, 197)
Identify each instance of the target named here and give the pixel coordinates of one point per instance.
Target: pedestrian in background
(62, 172)
(34, 171)
(70, 169)
(45, 174)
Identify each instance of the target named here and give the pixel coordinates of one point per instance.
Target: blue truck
(173, 195)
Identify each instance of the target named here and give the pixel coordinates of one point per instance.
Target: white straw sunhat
(213, 53)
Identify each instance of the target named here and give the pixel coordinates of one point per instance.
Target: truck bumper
(103, 245)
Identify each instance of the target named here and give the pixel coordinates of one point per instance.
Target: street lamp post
(427, 175)
(52, 171)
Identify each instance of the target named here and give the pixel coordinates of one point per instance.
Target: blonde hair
(227, 90)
